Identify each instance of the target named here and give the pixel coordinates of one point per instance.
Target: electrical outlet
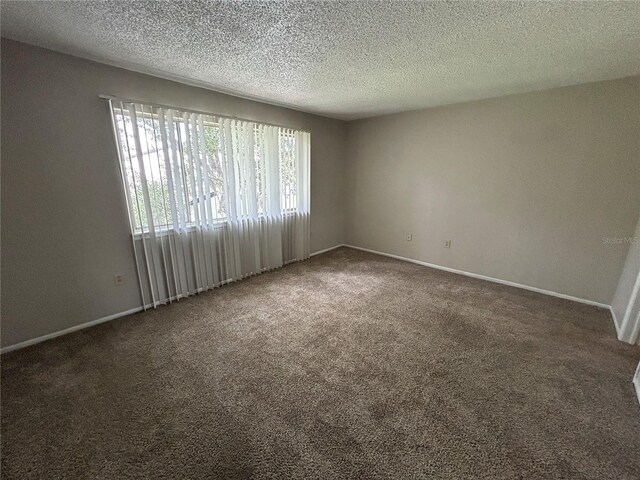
(447, 244)
(409, 237)
(118, 279)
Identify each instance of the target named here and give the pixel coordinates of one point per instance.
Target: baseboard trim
(59, 333)
(616, 324)
(82, 326)
(327, 250)
(108, 318)
(636, 382)
(484, 277)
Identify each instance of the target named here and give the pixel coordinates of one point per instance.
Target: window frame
(210, 120)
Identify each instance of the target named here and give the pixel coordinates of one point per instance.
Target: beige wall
(525, 186)
(64, 226)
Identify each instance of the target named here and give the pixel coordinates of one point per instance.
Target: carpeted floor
(349, 365)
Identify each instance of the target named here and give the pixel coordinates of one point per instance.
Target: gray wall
(525, 186)
(64, 226)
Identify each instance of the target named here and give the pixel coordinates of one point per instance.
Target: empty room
(320, 240)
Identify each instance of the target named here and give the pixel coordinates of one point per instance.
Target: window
(287, 147)
(184, 169)
(210, 199)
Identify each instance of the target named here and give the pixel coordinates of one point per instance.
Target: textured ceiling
(346, 59)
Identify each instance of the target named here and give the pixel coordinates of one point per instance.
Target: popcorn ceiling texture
(346, 59)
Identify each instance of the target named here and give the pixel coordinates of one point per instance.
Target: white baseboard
(326, 250)
(484, 277)
(636, 382)
(75, 328)
(616, 324)
(108, 318)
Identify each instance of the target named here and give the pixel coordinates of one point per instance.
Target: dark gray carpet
(348, 365)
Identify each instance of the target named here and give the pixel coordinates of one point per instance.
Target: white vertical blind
(210, 199)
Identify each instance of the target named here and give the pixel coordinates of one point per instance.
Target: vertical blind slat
(209, 200)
